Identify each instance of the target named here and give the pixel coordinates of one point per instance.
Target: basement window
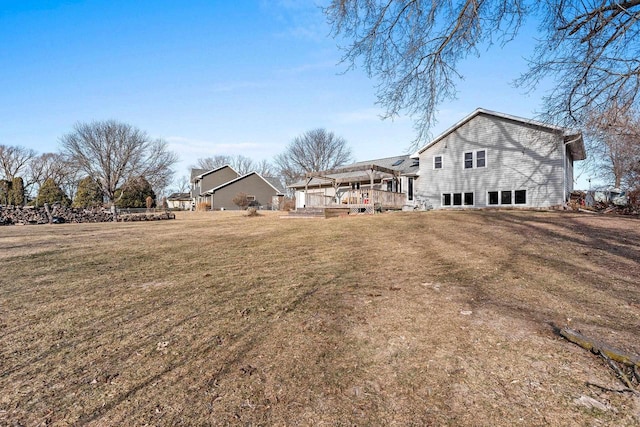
(505, 197)
(520, 197)
(493, 198)
(446, 199)
(468, 199)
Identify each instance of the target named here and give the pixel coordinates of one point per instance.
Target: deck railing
(363, 196)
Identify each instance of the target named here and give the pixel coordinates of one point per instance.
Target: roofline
(213, 190)
(565, 131)
(216, 170)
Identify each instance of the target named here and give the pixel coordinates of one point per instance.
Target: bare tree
(113, 153)
(315, 150)
(266, 168)
(413, 49)
(182, 184)
(612, 139)
(211, 163)
(14, 160)
(53, 166)
(242, 164)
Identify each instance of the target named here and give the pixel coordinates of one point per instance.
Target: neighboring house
(491, 159)
(179, 201)
(387, 182)
(202, 181)
(259, 190)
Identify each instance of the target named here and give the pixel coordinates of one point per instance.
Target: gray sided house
(259, 190)
(203, 181)
(490, 159)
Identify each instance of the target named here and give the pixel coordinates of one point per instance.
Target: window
(505, 197)
(457, 199)
(468, 160)
(398, 162)
(410, 192)
(468, 199)
(446, 199)
(517, 197)
(493, 197)
(390, 185)
(437, 162)
(481, 158)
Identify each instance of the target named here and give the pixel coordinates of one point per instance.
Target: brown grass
(439, 318)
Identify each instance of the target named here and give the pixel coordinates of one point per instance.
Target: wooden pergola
(371, 170)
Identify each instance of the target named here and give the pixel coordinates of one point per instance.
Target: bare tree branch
(114, 152)
(315, 150)
(412, 48)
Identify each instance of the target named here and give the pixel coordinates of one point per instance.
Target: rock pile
(57, 214)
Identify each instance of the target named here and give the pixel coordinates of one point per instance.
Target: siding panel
(518, 157)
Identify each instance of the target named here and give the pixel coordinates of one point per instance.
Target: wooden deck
(362, 200)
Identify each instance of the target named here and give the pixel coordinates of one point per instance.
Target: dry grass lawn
(436, 318)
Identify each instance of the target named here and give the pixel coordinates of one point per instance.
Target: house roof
(402, 164)
(196, 172)
(205, 173)
(179, 196)
(572, 137)
(275, 183)
(240, 178)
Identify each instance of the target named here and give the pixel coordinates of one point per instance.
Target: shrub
(134, 193)
(252, 212)
(203, 206)
(17, 192)
(89, 194)
(5, 191)
(288, 204)
(241, 200)
(51, 193)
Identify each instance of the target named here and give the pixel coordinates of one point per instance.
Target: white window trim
(513, 197)
(462, 193)
(486, 159)
(474, 159)
(441, 162)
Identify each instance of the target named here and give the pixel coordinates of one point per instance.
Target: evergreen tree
(16, 193)
(134, 194)
(50, 192)
(89, 194)
(5, 191)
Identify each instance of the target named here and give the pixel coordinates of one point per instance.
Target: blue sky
(212, 77)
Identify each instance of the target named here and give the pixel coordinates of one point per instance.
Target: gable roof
(275, 183)
(195, 172)
(240, 178)
(203, 174)
(179, 196)
(403, 164)
(572, 137)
